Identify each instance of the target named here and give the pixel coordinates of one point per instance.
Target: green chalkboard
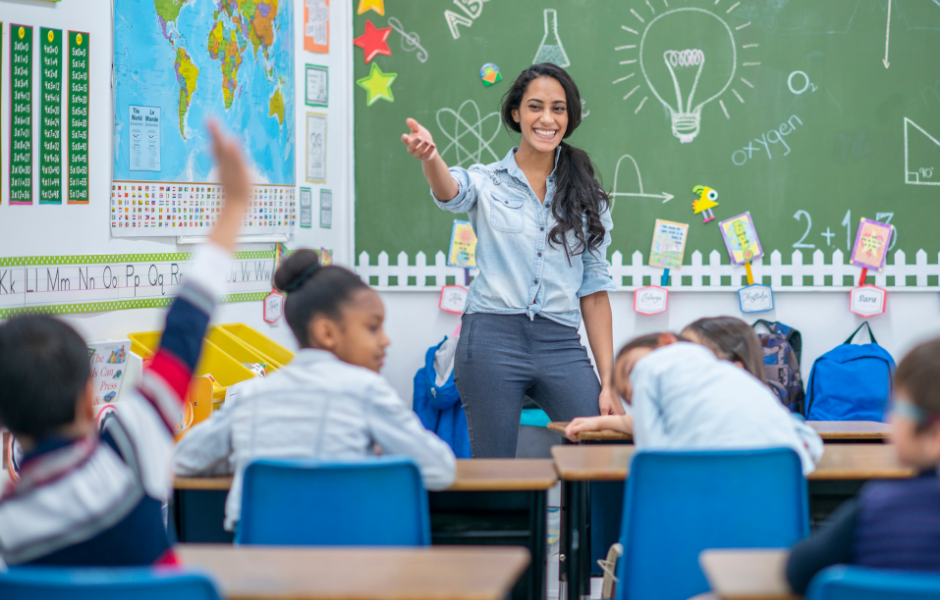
(808, 127)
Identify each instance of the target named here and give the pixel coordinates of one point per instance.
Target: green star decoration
(378, 85)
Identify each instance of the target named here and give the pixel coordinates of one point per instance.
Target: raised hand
(419, 142)
(233, 175)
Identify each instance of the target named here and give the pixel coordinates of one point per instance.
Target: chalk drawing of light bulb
(688, 57)
(551, 49)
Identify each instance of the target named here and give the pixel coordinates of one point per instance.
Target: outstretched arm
(421, 146)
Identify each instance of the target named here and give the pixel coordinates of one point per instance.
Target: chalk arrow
(887, 37)
(666, 196)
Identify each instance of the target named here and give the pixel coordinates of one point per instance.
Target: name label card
(868, 300)
(650, 300)
(453, 299)
(756, 298)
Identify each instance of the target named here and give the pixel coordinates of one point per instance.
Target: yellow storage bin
(224, 368)
(259, 342)
(239, 350)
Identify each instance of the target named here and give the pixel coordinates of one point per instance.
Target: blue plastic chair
(376, 501)
(859, 583)
(133, 583)
(680, 503)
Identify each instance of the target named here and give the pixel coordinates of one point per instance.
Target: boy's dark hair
(312, 290)
(44, 368)
(732, 339)
(650, 340)
(918, 375)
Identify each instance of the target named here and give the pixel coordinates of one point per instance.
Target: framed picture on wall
(316, 148)
(317, 86)
(306, 208)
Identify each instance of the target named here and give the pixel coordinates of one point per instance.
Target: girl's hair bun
(296, 269)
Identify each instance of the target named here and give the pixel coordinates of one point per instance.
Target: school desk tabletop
(829, 431)
(477, 475)
(268, 573)
(492, 502)
(747, 574)
(841, 472)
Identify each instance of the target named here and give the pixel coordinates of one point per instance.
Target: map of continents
(195, 59)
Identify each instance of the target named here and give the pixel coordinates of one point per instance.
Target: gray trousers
(501, 359)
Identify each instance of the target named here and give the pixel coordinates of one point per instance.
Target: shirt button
(536, 281)
(505, 202)
(540, 254)
(542, 229)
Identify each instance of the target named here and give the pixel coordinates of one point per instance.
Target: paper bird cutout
(376, 5)
(372, 41)
(378, 85)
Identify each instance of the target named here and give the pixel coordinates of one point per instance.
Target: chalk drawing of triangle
(921, 155)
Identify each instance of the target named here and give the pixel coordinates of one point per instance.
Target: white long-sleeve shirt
(316, 407)
(686, 398)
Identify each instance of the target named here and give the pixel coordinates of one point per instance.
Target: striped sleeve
(166, 380)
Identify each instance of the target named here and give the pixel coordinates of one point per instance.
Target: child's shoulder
(888, 494)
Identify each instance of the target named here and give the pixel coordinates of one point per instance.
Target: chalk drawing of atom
(468, 134)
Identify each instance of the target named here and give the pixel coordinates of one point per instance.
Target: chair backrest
(376, 501)
(133, 583)
(678, 503)
(859, 583)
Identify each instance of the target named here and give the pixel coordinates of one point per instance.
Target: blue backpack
(850, 382)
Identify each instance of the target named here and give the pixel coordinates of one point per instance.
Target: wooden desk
(482, 474)
(829, 431)
(841, 471)
(851, 431)
(747, 574)
(259, 573)
(492, 502)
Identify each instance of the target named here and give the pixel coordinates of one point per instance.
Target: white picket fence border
(697, 271)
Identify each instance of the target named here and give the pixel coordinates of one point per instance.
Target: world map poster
(177, 64)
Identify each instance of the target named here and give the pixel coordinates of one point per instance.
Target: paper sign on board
(741, 239)
(668, 244)
(871, 245)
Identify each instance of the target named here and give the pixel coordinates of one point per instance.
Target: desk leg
(575, 569)
(489, 518)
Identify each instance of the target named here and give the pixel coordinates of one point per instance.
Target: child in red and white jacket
(85, 499)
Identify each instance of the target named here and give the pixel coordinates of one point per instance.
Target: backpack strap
(854, 333)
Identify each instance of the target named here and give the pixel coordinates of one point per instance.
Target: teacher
(543, 225)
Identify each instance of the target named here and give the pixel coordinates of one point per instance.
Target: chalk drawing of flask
(551, 50)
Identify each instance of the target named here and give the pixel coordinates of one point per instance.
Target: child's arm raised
(421, 145)
(165, 381)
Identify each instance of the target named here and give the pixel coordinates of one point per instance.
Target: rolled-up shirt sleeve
(596, 277)
(468, 188)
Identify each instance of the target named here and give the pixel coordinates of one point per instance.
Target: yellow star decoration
(378, 85)
(376, 5)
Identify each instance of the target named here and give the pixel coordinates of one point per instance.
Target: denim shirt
(520, 272)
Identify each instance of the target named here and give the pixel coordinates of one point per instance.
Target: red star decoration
(372, 41)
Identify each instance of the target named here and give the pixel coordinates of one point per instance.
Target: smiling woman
(543, 225)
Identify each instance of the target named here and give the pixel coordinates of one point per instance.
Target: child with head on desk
(703, 389)
(329, 403)
(890, 524)
(87, 500)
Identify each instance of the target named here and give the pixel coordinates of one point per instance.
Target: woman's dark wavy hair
(579, 197)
